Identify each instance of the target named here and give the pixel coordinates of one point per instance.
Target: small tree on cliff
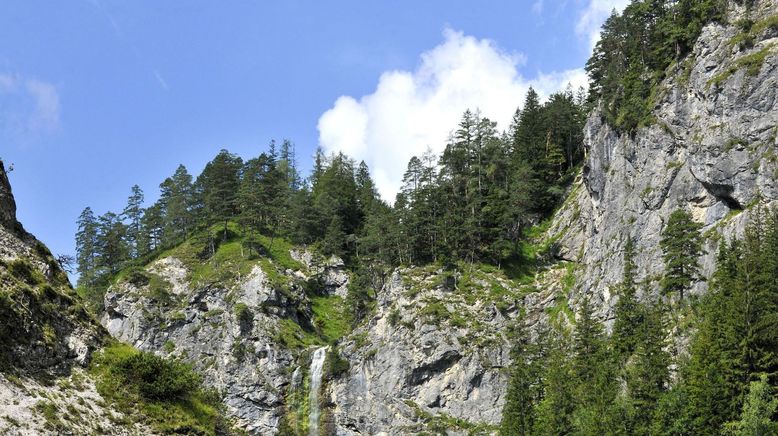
(681, 244)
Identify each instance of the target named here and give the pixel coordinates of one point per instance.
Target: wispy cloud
(30, 107)
(133, 47)
(412, 110)
(161, 80)
(592, 17)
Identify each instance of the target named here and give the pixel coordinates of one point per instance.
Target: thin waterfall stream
(317, 366)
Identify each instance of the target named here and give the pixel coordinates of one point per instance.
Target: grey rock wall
(712, 151)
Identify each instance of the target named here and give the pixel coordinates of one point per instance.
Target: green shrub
(336, 365)
(245, 318)
(137, 277)
(22, 270)
(394, 317)
(157, 378)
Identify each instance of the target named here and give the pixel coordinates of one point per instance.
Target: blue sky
(98, 95)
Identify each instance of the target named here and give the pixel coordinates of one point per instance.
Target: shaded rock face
(712, 151)
(7, 203)
(43, 328)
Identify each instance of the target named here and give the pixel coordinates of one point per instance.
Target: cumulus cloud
(595, 13)
(30, 106)
(412, 110)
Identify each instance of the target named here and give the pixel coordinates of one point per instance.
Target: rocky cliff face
(433, 352)
(434, 355)
(711, 151)
(42, 325)
(7, 203)
(237, 353)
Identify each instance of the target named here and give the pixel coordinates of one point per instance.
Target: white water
(317, 365)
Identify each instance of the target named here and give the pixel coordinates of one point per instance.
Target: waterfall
(317, 365)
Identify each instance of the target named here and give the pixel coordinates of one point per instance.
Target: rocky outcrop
(711, 151)
(436, 352)
(229, 333)
(245, 333)
(7, 203)
(43, 327)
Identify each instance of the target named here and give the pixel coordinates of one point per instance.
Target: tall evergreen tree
(87, 248)
(112, 246)
(177, 205)
(218, 186)
(681, 247)
(627, 310)
(133, 213)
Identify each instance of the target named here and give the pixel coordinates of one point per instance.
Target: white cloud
(590, 21)
(410, 111)
(31, 106)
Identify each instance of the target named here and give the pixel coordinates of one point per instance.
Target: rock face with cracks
(711, 151)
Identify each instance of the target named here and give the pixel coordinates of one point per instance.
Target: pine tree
(648, 373)
(133, 213)
(177, 205)
(627, 309)
(681, 245)
(218, 186)
(112, 246)
(87, 248)
(152, 229)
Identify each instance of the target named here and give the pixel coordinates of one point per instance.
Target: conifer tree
(681, 245)
(525, 385)
(177, 205)
(112, 247)
(218, 186)
(152, 229)
(555, 407)
(133, 213)
(627, 310)
(648, 373)
(87, 248)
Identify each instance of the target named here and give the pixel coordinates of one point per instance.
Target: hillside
(60, 373)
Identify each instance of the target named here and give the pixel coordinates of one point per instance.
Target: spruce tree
(648, 373)
(177, 205)
(218, 186)
(87, 248)
(627, 309)
(681, 245)
(133, 213)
